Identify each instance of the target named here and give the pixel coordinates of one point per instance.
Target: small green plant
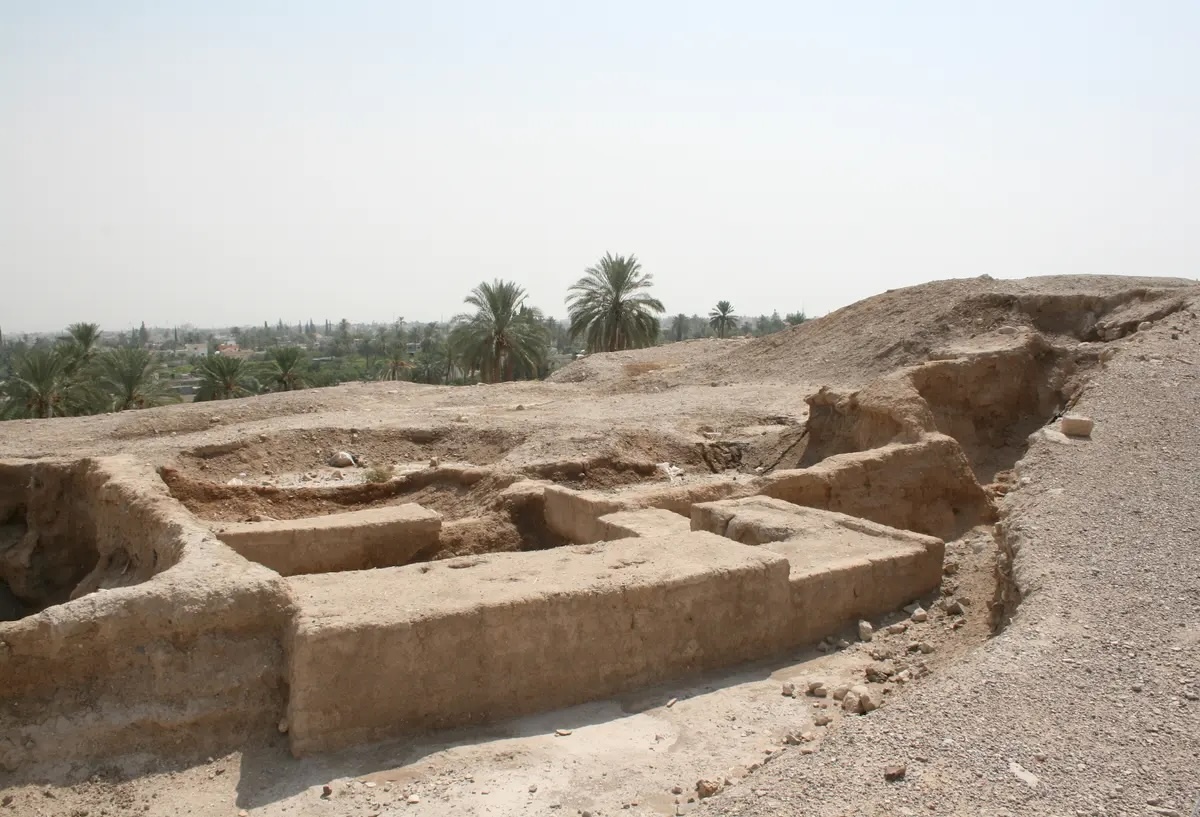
(378, 473)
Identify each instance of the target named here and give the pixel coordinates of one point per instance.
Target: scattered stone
(1053, 436)
(1144, 325)
(341, 459)
(1137, 687)
(895, 772)
(789, 690)
(842, 644)
(1007, 330)
(434, 462)
(1024, 775)
(283, 726)
(1190, 695)
(562, 733)
(954, 607)
(839, 691)
(235, 482)
(1108, 354)
(413, 799)
(7, 801)
(878, 672)
(950, 567)
(925, 647)
(822, 720)
(677, 790)
(532, 788)
(919, 615)
(707, 788)
(852, 703)
(897, 628)
(1076, 425)
(672, 702)
(327, 791)
(865, 631)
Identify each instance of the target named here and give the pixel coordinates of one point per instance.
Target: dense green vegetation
(500, 337)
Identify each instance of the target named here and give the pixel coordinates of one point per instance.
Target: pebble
(894, 772)
(817, 689)
(897, 628)
(919, 615)
(865, 631)
(413, 799)
(789, 690)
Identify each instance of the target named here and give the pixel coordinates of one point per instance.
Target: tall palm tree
(132, 379)
(722, 319)
(41, 386)
(502, 338)
(284, 368)
(80, 345)
(610, 308)
(223, 378)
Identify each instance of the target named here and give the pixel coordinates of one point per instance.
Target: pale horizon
(219, 165)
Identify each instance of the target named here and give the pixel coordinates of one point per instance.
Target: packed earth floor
(1051, 666)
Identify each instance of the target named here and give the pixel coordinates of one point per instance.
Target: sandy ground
(1087, 703)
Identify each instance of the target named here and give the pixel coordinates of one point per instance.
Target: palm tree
(132, 379)
(722, 319)
(610, 308)
(679, 326)
(223, 378)
(41, 386)
(502, 338)
(284, 368)
(81, 343)
(395, 363)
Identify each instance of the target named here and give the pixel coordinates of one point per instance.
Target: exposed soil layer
(447, 491)
(291, 451)
(989, 399)
(47, 537)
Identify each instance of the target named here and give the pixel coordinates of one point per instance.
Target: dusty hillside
(904, 326)
(622, 370)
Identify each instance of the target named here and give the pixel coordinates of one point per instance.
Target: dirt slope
(901, 327)
(1089, 701)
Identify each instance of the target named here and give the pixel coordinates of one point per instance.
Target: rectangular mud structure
(376, 654)
(141, 628)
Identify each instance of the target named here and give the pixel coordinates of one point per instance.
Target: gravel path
(1089, 702)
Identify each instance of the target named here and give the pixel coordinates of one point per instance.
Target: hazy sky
(232, 162)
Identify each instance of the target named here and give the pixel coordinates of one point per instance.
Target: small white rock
(341, 459)
(865, 631)
(919, 615)
(1024, 775)
(413, 799)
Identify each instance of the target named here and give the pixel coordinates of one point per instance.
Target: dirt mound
(906, 326)
(626, 370)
